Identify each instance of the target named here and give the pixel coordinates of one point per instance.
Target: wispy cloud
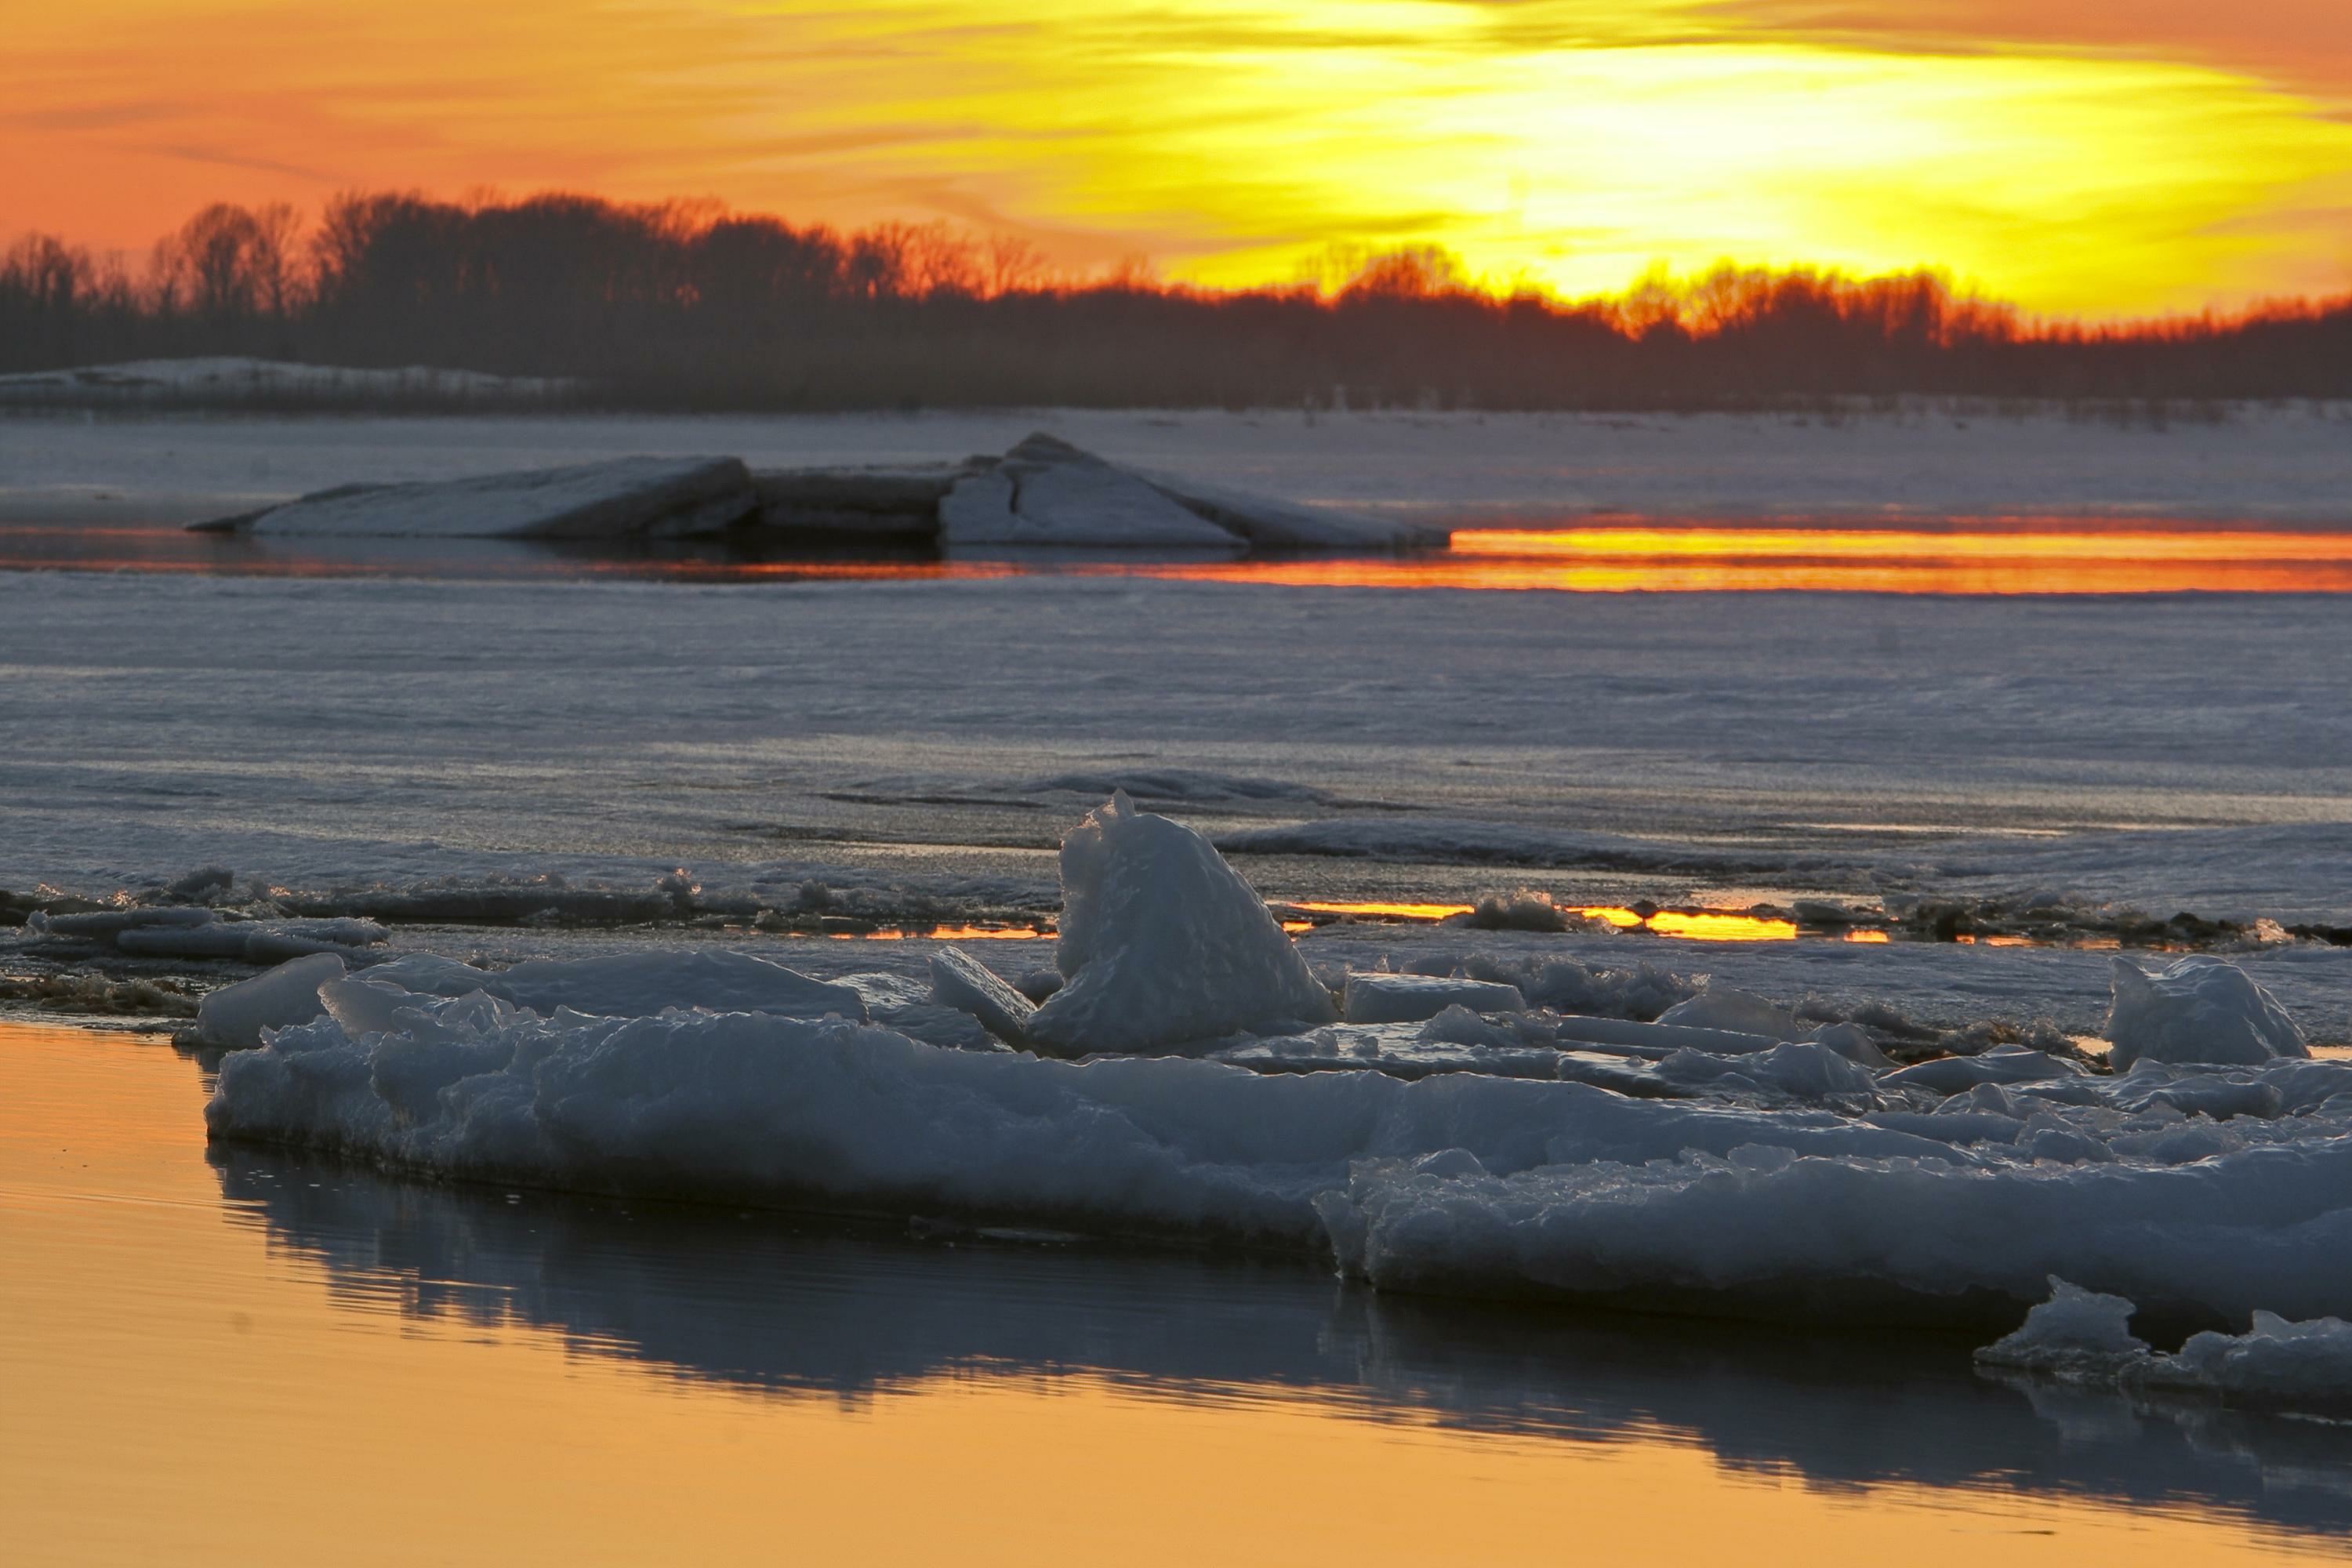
(2078, 154)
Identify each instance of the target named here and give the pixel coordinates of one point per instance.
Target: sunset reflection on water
(2003, 556)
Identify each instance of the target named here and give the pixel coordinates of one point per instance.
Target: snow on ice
(1046, 492)
(1042, 492)
(660, 498)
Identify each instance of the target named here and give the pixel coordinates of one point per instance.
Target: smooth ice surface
(1269, 524)
(1045, 492)
(2197, 1010)
(1375, 998)
(635, 985)
(236, 1013)
(619, 498)
(1739, 1012)
(1162, 944)
(468, 767)
(962, 982)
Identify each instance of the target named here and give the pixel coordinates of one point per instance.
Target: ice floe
(2085, 1337)
(1047, 492)
(2199, 1010)
(963, 982)
(1381, 999)
(643, 497)
(170, 930)
(1042, 494)
(1782, 1185)
(1474, 1140)
(235, 1015)
(624, 986)
(1163, 944)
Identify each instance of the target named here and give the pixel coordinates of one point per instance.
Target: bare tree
(1011, 265)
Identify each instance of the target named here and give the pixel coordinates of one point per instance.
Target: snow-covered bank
(231, 381)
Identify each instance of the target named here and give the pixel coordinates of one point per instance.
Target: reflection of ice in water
(766, 1302)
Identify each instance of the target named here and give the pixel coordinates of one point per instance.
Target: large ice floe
(1043, 493)
(1189, 1077)
(620, 497)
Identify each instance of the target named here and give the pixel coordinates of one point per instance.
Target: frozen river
(366, 727)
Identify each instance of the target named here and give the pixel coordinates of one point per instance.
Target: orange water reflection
(1697, 925)
(936, 933)
(2022, 558)
(2003, 556)
(181, 1387)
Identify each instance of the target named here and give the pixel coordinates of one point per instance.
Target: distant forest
(681, 306)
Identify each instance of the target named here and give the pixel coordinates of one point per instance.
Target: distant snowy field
(2278, 465)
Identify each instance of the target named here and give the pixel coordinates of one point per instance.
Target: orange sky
(2090, 156)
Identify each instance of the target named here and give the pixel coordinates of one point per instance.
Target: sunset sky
(2080, 156)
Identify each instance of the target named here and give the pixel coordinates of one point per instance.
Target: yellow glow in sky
(2076, 156)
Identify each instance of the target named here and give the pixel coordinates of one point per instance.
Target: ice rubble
(663, 498)
(2199, 1010)
(2081, 1336)
(1458, 1182)
(1518, 1151)
(177, 930)
(1162, 944)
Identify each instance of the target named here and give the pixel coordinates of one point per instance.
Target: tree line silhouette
(683, 305)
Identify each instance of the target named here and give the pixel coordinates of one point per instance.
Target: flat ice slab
(1375, 998)
(1271, 524)
(1046, 492)
(655, 498)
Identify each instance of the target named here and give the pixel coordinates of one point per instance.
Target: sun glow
(2065, 160)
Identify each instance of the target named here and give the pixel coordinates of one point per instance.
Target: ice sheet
(1463, 1182)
